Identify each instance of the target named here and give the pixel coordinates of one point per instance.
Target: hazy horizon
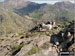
(49, 2)
(46, 1)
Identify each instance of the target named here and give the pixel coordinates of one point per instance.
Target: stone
(25, 50)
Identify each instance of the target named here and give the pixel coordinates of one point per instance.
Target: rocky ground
(48, 43)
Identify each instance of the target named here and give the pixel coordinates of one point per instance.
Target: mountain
(21, 15)
(21, 7)
(11, 22)
(11, 4)
(60, 11)
(29, 8)
(65, 5)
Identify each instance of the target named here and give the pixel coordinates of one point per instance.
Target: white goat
(48, 26)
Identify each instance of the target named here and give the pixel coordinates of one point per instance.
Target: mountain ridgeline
(20, 15)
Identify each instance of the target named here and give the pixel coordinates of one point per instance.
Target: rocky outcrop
(38, 43)
(65, 38)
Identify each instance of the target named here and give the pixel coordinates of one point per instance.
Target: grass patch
(33, 51)
(11, 14)
(59, 23)
(6, 35)
(18, 47)
(62, 23)
(0, 40)
(21, 33)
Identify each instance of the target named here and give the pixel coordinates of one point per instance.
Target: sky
(47, 1)
(1, 0)
(51, 1)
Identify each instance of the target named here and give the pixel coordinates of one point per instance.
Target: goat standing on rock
(48, 25)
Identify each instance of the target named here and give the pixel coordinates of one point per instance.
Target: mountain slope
(20, 15)
(12, 4)
(61, 11)
(28, 9)
(65, 5)
(58, 10)
(12, 23)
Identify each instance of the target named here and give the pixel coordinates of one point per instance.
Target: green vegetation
(33, 51)
(6, 35)
(36, 15)
(66, 23)
(21, 33)
(0, 40)
(18, 47)
(59, 22)
(11, 14)
(62, 23)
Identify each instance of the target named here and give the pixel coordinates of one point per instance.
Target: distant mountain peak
(64, 2)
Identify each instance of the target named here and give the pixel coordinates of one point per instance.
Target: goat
(52, 23)
(48, 26)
